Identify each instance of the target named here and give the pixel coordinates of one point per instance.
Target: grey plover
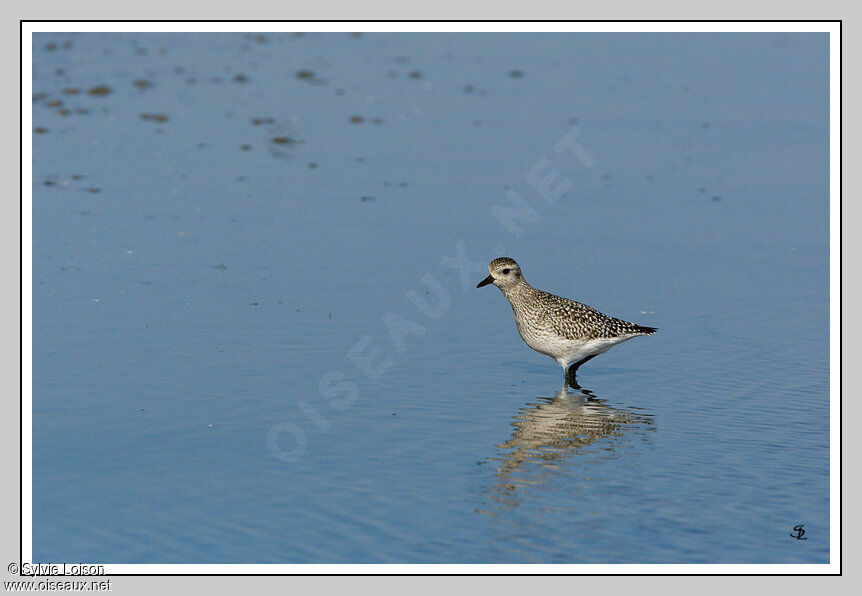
(569, 332)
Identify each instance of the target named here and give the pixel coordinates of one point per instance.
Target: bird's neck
(514, 292)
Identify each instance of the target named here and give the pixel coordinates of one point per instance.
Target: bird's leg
(573, 370)
(569, 380)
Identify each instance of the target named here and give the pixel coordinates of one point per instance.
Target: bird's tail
(645, 330)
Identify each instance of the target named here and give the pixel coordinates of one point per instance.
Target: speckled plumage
(568, 331)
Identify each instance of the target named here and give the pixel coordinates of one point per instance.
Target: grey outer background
(447, 9)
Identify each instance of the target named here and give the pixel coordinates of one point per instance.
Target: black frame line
(840, 22)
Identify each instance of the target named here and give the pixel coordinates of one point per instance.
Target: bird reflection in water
(548, 433)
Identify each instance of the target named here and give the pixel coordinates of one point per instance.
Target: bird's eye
(506, 271)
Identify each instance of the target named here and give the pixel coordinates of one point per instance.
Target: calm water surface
(256, 332)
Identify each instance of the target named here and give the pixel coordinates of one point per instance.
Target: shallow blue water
(256, 332)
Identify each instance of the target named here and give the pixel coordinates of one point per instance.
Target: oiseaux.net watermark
(63, 577)
(287, 441)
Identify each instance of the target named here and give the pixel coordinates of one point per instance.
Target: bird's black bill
(485, 282)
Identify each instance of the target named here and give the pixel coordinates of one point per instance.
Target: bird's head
(503, 273)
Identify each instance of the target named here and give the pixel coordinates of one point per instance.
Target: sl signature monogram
(800, 532)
